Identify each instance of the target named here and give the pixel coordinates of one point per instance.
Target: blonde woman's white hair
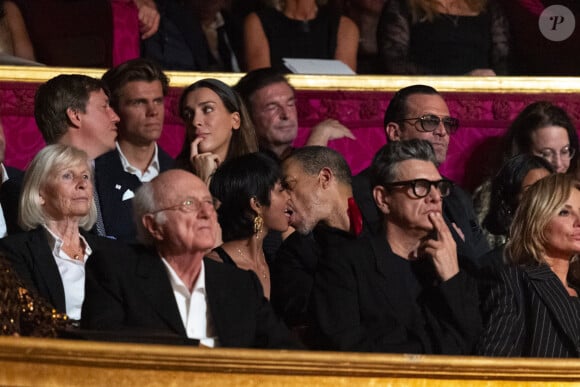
(43, 167)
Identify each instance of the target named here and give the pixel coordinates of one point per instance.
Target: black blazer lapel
(154, 282)
(46, 269)
(555, 298)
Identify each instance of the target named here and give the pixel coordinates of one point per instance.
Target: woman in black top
(443, 37)
(251, 203)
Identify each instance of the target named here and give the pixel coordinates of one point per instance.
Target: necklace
(264, 271)
(77, 254)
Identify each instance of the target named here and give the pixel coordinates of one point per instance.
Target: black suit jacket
(9, 197)
(111, 183)
(132, 292)
(31, 257)
(529, 313)
(457, 208)
(366, 298)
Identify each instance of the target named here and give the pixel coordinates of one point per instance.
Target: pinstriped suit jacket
(529, 313)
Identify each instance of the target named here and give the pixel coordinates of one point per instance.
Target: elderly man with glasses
(404, 289)
(166, 290)
(420, 112)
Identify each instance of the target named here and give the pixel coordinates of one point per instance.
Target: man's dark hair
(314, 158)
(397, 109)
(57, 95)
(256, 80)
(384, 167)
(139, 69)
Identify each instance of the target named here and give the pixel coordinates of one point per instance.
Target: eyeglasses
(430, 122)
(550, 154)
(422, 187)
(190, 205)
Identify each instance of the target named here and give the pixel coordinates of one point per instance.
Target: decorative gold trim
(529, 85)
(27, 361)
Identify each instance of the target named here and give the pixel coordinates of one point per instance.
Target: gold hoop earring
(258, 224)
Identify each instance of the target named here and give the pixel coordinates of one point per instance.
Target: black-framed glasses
(430, 122)
(189, 205)
(550, 154)
(422, 187)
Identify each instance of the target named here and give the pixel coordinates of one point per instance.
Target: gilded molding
(370, 83)
(50, 361)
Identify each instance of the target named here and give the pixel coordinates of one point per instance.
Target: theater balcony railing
(52, 362)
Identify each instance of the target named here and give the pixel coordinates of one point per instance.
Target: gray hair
(144, 203)
(42, 168)
(384, 168)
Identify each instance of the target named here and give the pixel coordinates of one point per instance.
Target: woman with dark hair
(533, 308)
(507, 187)
(541, 129)
(252, 203)
(545, 130)
(217, 127)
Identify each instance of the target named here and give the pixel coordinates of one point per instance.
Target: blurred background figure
(14, 39)
(443, 37)
(366, 14)
(196, 36)
(299, 29)
(545, 130)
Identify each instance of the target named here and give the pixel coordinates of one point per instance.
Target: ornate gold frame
(530, 85)
(36, 362)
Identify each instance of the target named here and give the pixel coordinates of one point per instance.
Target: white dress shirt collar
(151, 172)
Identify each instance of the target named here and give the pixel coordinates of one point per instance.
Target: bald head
(175, 209)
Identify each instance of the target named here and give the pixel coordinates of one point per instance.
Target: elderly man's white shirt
(193, 309)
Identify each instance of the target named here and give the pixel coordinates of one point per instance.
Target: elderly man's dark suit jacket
(366, 298)
(31, 257)
(529, 313)
(111, 183)
(457, 208)
(132, 292)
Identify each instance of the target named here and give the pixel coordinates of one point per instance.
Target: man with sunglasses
(420, 112)
(404, 289)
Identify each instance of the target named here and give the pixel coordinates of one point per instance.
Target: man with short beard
(323, 212)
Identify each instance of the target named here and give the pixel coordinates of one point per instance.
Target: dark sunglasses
(422, 187)
(430, 122)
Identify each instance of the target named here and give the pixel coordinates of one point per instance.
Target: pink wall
(483, 116)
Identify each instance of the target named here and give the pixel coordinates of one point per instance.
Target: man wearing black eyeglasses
(420, 112)
(403, 290)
